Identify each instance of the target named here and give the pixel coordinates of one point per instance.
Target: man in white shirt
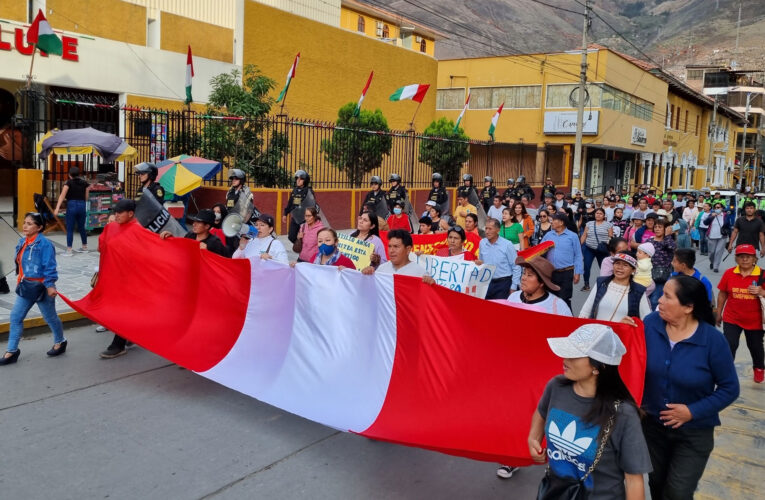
(399, 247)
(495, 211)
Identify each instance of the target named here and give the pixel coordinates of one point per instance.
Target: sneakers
(585, 288)
(759, 375)
(113, 352)
(68, 253)
(82, 250)
(506, 472)
(101, 329)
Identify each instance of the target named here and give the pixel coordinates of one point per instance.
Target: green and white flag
(415, 92)
(41, 35)
(494, 120)
(290, 76)
(189, 75)
(459, 119)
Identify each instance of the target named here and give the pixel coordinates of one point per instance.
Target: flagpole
(411, 124)
(31, 66)
(281, 109)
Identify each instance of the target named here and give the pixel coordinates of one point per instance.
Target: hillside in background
(672, 33)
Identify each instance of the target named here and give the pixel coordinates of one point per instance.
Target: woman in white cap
(617, 297)
(590, 422)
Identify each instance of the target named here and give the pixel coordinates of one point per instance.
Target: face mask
(620, 205)
(217, 217)
(588, 205)
(397, 211)
(325, 249)
(718, 210)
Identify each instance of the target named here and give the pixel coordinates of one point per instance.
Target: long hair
(608, 389)
(374, 230)
(223, 214)
(523, 212)
(691, 292)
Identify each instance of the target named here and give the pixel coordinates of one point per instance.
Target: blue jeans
(75, 213)
(656, 295)
(20, 309)
(589, 255)
(703, 245)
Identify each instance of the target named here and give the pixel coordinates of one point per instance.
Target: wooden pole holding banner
(31, 66)
(411, 124)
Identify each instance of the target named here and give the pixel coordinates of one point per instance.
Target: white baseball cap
(595, 341)
(431, 203)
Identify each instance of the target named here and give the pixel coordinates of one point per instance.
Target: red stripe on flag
(33, 32)
(421, 91)
(190, 61)
(369, 81)
(449, 356)
(194, 321)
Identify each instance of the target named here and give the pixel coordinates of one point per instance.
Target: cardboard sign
(359, 251)
(430, 243)
(458, 274)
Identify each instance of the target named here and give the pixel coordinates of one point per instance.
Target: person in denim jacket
(35, 263)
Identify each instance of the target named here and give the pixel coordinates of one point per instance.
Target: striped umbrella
(183, 174)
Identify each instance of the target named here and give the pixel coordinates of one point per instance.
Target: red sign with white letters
(19, 43)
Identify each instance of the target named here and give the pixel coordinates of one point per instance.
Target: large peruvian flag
(385, 356)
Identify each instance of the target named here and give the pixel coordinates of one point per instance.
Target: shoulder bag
(602, 245)
(553, 487)
(31, 290)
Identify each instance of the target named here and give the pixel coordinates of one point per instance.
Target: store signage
(19, 43)
(639, 136)
(564, 122)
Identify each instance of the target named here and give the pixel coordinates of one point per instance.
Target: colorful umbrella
(83, 141)
(183, 174)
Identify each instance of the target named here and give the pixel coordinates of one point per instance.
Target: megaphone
(233, 225)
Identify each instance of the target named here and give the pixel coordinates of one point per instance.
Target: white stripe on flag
(332, 361)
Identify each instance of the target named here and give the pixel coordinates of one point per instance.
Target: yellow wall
(164, 104)
(615, 128)
(206, 40)
(349, 19)
(112, 19)
(13, 10)
(334, 66)
(29, 182)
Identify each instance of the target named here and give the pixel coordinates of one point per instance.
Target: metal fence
(270, 148)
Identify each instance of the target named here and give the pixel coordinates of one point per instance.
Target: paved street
(140, 427)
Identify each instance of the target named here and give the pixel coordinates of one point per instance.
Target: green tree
(252, 144)
(445, 156)
(354, 151)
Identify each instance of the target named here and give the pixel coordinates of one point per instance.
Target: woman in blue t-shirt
(590, 422)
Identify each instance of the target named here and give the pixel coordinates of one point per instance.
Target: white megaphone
(233, 225)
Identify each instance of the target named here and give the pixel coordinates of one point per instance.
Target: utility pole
(712, 134)
(743, 138)
(738, 26)
(580, 101)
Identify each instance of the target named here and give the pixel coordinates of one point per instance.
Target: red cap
(745, 250)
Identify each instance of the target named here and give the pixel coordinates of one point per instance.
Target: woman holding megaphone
(264, 245)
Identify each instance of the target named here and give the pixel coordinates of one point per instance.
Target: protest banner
(456, 273)
(430, 243)
(359, 251)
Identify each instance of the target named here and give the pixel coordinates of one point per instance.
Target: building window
(450, 98)
(559, 96)
(522, 96)
(361, 25)
(628, 104)
(423, 45)
(696, 131)
(686, 122)
(677, 119)
(385, 31)
(694, 74)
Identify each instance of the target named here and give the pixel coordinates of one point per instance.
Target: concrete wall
(206, 40)
(14, 10)
(112, 19)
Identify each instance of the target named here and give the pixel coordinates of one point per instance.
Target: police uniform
(296, 199)
(487, 196)
(373, 197)
(465, 191)
(509, 193)
(548, 190)
(155, 188)
(394, 194)
(524, 190)
(438, 195)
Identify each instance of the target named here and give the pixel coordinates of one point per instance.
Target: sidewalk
(74, 275)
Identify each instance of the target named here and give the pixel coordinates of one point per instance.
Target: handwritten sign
(431, 243)
(359, 251)
(457, 274)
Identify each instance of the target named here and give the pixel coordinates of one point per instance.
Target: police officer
(297, 199)
(147, 176)
(467, 188)
(239, 197)
(548, 188)
(438, 191)
(523, 189)
(509, 192)
(375, 196)
(397, 191)
(488, 193)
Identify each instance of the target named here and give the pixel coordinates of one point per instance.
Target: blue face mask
(397, 211)
(325, 249)
(718, 210)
